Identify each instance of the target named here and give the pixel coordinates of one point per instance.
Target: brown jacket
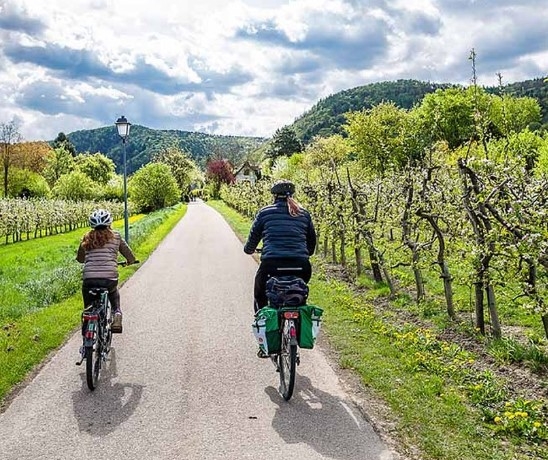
(103, 262)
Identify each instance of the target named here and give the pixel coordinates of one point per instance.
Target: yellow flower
(498, 420)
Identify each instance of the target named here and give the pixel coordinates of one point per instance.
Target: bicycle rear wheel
(93, 365)
(287, 360)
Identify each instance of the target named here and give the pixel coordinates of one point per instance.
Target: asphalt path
(183, 380)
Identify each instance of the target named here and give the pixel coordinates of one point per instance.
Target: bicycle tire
(108, 329)
(287, 360)
(93, 366)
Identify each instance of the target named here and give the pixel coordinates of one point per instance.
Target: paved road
(183, 381)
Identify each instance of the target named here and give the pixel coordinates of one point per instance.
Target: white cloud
(243, 66)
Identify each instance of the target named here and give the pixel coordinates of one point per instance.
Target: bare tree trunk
(419, 280)
(343, 250)
(358, 255)
(448, 289)
(413, 246)
(492, 305)
(375, 266)
(480, 319)
(442, 263)
(545, 323)
(482, 226)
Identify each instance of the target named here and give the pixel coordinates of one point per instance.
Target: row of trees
(22, 219)
(454, 189)
(40, 170)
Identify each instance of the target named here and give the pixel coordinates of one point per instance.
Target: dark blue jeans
(275, 267)
(111, 285)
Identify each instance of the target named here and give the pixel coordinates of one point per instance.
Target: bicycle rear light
(91, 316)
(291, 314)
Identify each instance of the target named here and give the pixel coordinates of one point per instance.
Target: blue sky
(243, 67)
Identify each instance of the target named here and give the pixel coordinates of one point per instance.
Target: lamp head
(123, 127)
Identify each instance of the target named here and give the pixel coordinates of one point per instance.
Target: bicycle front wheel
(287, 360)
(93, 366)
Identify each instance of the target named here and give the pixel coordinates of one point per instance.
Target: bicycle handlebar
(124, 263)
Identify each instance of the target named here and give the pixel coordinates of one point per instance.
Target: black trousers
(278, 267)
(111, 285)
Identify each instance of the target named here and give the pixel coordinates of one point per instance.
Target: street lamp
(123, 131)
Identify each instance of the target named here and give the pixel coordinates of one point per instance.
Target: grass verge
(27, 337)
(440, 402)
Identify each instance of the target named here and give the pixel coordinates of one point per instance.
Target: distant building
(247, 172)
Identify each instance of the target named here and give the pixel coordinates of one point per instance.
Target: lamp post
(123, 131)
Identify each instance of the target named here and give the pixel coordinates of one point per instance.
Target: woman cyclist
(98, 251)
(289, 239)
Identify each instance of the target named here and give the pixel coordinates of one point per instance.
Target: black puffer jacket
(283, 236)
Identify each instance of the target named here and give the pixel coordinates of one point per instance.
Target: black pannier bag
(286, 291)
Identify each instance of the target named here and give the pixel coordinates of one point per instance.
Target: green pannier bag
(310, 321)
(266, 330)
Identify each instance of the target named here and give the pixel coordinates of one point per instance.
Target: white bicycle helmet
(100, 217)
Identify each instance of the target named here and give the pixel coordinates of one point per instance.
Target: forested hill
(327, 116)
(144, 142)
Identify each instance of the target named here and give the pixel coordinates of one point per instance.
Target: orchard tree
(219, 172)
(153, 187)
(9, 135)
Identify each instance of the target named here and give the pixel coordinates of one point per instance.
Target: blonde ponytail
(293, 207)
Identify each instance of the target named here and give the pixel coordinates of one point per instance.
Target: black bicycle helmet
(283, 187)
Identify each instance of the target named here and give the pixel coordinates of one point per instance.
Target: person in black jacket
(289, 239)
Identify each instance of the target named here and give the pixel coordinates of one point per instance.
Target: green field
(40, 299)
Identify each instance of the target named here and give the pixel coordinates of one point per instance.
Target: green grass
(28, 332)
(439, 402)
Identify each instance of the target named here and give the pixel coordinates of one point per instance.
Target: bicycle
(287, 359)
(96, 333)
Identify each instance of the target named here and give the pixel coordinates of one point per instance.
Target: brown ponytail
(293, 207)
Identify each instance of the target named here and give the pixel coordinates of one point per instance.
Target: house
(247, 172)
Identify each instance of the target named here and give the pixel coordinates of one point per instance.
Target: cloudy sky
(243, 67)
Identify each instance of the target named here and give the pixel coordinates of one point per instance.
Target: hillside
(144, 142)
(327, 116)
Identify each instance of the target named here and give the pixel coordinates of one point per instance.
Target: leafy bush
(153, 187)
(76, 186)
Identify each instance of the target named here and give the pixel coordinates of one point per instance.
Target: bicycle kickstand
(83, 356)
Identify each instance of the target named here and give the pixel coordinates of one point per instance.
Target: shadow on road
(101, 411)
(325, 423)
